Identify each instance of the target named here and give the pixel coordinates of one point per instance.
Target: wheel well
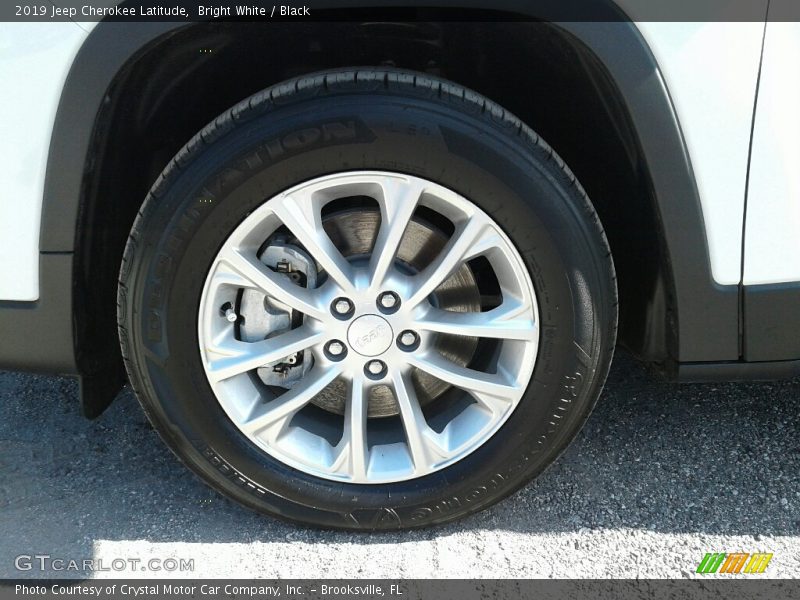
(173, 87)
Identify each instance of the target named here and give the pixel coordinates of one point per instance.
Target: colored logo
(734, 562)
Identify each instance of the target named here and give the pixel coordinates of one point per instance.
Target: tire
(385, 122)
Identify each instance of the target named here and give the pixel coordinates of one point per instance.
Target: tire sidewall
(515, 182)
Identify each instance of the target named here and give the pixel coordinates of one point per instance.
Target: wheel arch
(671, 309)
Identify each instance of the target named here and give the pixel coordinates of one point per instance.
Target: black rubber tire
(357, 119)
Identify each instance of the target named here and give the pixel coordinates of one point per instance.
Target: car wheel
(367, 299)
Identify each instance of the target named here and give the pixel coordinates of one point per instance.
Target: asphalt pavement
(661, 474)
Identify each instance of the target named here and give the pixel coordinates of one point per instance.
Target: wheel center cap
(370, 335)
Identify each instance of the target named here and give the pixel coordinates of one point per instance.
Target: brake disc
(354, 233)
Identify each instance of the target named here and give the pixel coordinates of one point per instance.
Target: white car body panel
(710, 70)
(772, 247)
(34, 61)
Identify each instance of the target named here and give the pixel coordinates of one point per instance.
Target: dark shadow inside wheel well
(177, 84)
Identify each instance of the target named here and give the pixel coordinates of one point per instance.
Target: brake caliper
(263, 317)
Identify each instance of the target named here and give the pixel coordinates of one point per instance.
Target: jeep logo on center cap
(370, 335)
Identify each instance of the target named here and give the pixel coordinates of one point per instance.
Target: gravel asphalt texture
(661, 474)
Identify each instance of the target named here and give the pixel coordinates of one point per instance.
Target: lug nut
(389, 301)
(408, 340)
(230, 315)
(342, 307)
(335, 350)
(375, 367)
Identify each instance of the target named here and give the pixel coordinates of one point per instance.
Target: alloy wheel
(368, 327)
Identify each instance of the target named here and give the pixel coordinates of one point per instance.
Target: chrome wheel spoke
(303, 218)
(399, 201)
(419, 436)
(275, 415)
(466, 379)
(508, 323)
(240, 357)
(494, 404)
(471, 239)
(353, 455)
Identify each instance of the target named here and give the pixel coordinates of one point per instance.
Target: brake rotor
(353, 232)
